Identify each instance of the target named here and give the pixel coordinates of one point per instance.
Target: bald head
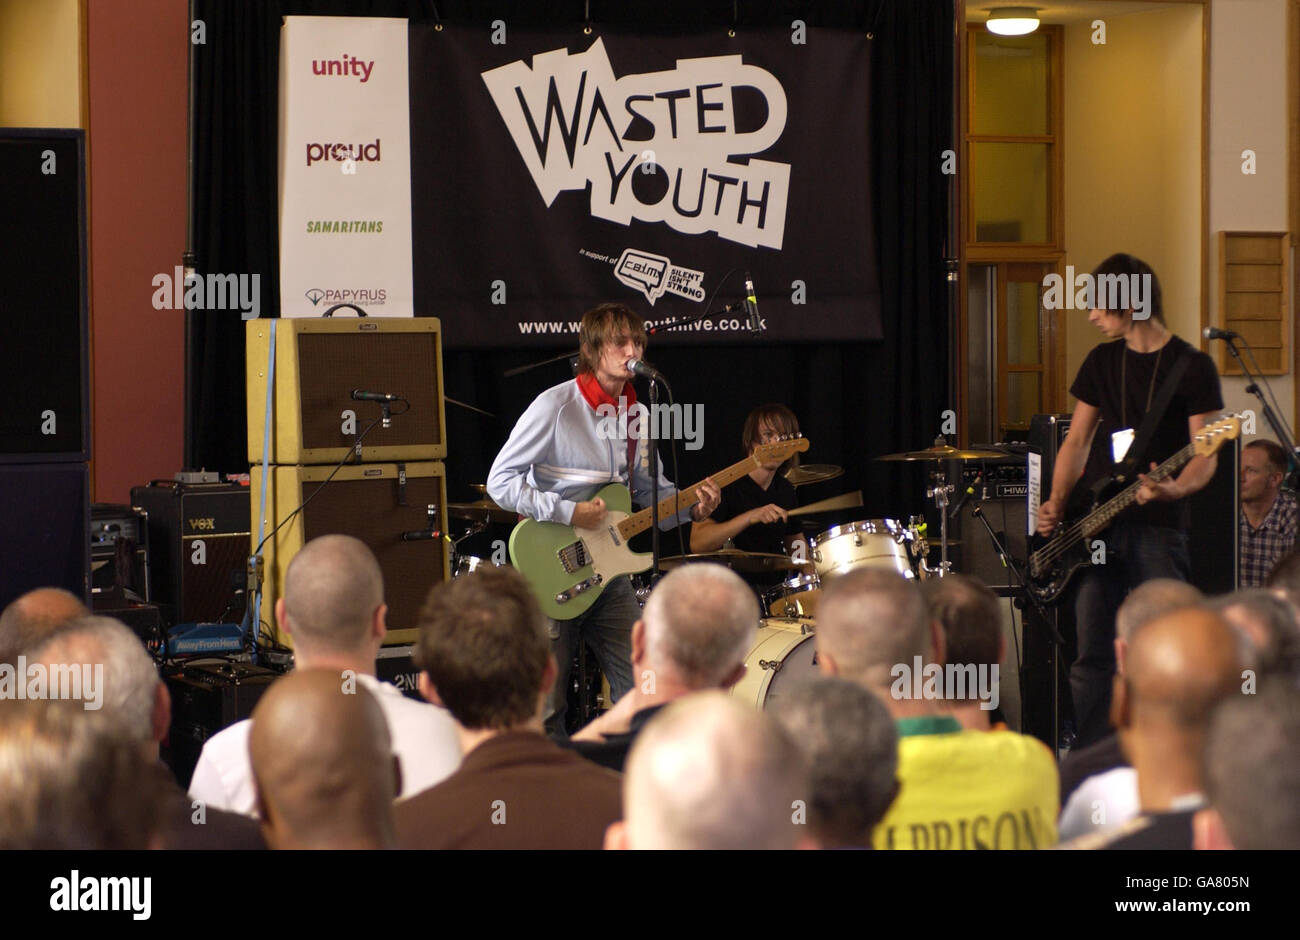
(699, 623)
(1180, 666)
(323, 763)
(1153, 599)
(708, 773)
(870, 619)
(332, 591)
(34, 616)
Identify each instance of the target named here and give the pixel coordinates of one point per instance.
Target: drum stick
(844, 501)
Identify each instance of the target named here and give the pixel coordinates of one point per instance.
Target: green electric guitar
(568, 567)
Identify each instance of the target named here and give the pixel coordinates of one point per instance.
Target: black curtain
(854, 401)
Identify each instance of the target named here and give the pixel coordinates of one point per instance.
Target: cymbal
(740, 562)
(482, 509)
(945, 452)
(480, 488)
(813, 473)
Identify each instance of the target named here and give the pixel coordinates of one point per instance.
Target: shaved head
(1153, 599)
(699, 622)
(331, 592)
(34, 616)
(870, 619)
(1179, 667)
(323, 763)
(709, 773)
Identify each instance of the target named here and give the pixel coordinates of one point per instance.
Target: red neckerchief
(595, 395)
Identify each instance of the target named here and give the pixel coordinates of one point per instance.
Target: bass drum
(784, 653)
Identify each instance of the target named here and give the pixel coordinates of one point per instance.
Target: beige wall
(1248, 111)
(1132, 155)
(40, 63)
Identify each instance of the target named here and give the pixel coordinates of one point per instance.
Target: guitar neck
(1104, 514)
(640, 521)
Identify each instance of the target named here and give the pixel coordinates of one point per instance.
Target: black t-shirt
(742, 496)
(1099, 384)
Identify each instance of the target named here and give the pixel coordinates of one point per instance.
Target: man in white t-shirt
(333, 607)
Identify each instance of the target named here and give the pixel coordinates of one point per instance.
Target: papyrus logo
(653, 146)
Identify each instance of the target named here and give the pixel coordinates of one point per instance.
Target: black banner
(552, 171)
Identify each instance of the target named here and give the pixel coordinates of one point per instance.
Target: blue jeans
(607, 629)
(1135, 552)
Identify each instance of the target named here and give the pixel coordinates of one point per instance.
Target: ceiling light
(1012, 21)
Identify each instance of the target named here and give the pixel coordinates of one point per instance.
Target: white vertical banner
(1034, 493)
(345, 166)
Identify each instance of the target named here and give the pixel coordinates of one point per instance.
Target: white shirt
(424, 740)
(1102, 802)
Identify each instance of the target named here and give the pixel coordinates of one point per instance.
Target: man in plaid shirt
(1268, 512)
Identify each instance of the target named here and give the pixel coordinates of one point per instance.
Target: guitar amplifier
(207, 697)
(198, 543)
(390, 507)
(318, 363)
(119, 551)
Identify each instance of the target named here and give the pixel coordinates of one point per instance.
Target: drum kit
(789, 586)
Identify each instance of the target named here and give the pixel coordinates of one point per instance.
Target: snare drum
(870, 543)
(793, 597)
(782, 655)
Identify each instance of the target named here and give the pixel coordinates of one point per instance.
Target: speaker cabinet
(45, 518)
(199, 547)
(376, 503)
(43, 358)
(318, 364)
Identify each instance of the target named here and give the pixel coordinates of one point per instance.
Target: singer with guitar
(1127, 399)
(558, 457)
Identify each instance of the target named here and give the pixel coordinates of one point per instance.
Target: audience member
(1252, 771)
(967, 610)
(1268, 513)
(710, 773)
(1267, 629)
(959, 789)
(323, 764)
(1098, 784)
(851, 747)
(33, 616)
(333, 608)
(136, 702)
(1284, 579)
(68, 783)
(486, 657)
(693, 635)
(1178, 668)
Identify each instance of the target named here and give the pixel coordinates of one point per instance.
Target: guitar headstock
(781, 450)
(1210, 438)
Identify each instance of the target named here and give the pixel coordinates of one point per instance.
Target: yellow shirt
(970, 790)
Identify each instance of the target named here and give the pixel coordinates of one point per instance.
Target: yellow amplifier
(319, 363)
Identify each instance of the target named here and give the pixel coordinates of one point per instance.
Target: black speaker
(207, 697)
(199, 546)
(44, 361)
(44, 528)
(1212, 537)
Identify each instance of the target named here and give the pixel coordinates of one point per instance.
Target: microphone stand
(977, 510)
(682, 324)
(1283, 436)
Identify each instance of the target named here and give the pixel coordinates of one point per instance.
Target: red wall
(136, 54)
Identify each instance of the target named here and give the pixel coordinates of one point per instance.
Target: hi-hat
(813, 473)
(484, 509)
(945, 452)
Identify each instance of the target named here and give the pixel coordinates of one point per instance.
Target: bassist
(1115, 388)
(560, 453)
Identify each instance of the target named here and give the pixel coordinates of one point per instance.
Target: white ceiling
(1071, 11)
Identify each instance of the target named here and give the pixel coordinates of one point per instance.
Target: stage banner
(552, 171)
(345, 166)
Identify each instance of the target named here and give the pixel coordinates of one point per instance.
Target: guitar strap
(1127, 469)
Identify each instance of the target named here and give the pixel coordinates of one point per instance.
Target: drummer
(754, 510)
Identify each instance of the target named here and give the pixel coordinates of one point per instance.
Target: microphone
(751, 306)
(422, 535)
(1213, 332)
(641, 367)
(970, 491)
(362, 395)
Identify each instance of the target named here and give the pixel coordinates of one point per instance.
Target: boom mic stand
(1275, 422)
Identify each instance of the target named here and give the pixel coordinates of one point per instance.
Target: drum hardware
(939, 491)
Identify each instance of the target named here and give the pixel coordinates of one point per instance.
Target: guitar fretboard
(1102, 516)
(640, 521)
